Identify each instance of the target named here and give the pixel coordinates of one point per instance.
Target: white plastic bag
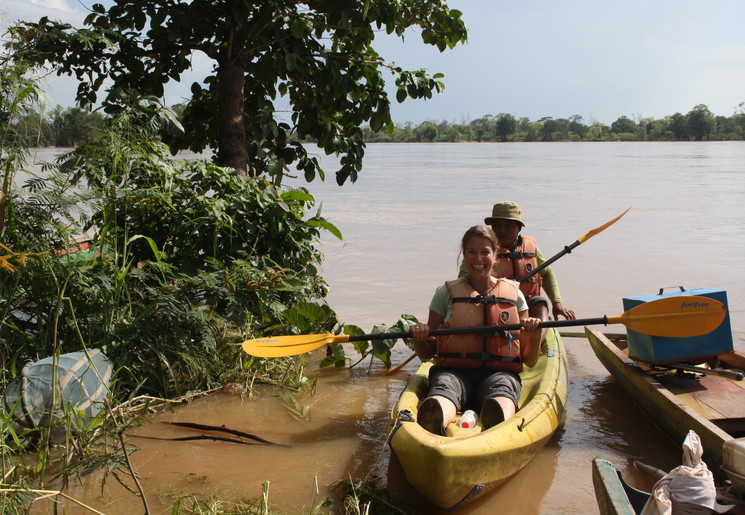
(687, 489)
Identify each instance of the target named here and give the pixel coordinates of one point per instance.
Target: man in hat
(519, 256)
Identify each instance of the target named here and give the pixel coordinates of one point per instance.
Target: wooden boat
(452, 470)
(616, 497)
(613, 494)
(680, 398)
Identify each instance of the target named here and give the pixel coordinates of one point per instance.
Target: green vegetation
(165, 265)
(66, 127)
(59, 128)
(188, 260)
(317, 58)
(699, 124)
(185, 261)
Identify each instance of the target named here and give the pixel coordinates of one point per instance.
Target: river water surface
(402, 221)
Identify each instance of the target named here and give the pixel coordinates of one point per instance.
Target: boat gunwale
(610, 494)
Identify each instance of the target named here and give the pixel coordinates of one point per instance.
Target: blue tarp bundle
(29, 396)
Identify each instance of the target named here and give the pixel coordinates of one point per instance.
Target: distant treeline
(60, 127)
(68, 127)
(699, 124)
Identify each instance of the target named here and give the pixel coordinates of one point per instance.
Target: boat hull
(679, 403)
(450, 471)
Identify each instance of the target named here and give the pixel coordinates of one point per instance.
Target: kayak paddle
(399, 367)
(571, 247)
(675, 317)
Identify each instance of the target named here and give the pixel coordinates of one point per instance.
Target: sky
(541, 58)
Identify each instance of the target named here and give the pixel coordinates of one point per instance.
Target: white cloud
(12, 11)
(53, 5)
(735, 55)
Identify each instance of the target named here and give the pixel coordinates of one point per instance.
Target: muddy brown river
(402, 221)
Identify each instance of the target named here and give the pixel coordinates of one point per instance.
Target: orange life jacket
(471, 309)
(518, 262)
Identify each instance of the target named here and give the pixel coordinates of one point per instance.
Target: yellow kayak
(453, 470)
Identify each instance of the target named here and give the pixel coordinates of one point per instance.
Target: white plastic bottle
(468, 419)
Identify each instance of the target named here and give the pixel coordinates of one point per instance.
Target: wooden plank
(719, 394)
(609, 491)
(734, 359)
(700, 407)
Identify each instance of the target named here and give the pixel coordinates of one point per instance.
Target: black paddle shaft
(567, 250)
(495, 329)
(730, 374)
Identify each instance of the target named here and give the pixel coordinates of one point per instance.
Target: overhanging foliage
(316, 56)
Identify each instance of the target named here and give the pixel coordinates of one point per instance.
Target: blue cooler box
(662, 349)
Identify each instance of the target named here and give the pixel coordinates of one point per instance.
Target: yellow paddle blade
(600, 229)
(279, 346)
(674, 317)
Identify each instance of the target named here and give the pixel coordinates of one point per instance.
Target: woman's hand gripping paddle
(675, 317)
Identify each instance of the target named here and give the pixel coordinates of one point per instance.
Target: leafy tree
(73, 125)
(481, 127)
(317, 56)
(642, 127)
(563, 129)
(534, 131)
(659, 130)
(175, 275)
(597, 132)
(33, 129)
(623, 125)
(700, 122)
(721, 127)
(426, 131)
(522, 127)
(453, 134)
(443, 127)
(505, 126)
(549, 127)
(679, 126)
(738, 122)
(406, 133)
(576, 126)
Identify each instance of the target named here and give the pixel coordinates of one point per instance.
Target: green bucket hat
(506, 210)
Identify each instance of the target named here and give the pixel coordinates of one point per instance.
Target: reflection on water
(402, 222)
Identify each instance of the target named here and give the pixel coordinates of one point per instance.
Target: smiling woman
(476, 371)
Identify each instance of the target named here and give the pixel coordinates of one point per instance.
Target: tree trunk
(231, 127)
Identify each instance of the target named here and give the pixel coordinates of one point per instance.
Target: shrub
(186, 260)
